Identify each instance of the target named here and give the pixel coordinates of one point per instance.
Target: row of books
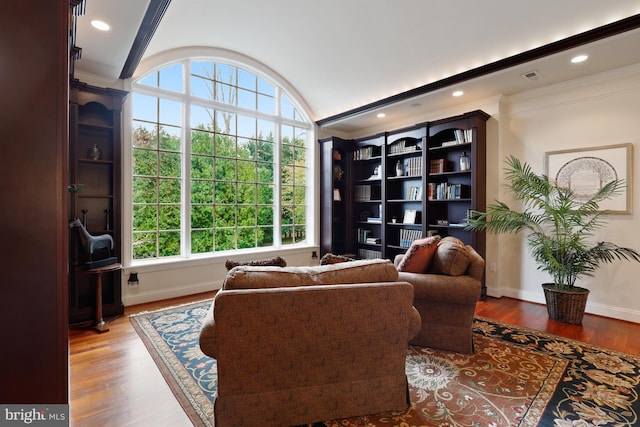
(438, 165)
(364, 153)
(362, 192)
(413, 166)
(462, 136)
(365, 237)
(446, 191)
(369, 254)
(407, 236)
(414, 192)
(404, 145)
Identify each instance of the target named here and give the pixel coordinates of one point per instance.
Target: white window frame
(186, 55)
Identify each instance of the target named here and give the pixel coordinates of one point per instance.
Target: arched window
(219, 161)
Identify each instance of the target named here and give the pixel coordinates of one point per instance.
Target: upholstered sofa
(298, 345)
(447, 278)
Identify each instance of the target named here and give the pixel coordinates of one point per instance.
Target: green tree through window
(204, 175)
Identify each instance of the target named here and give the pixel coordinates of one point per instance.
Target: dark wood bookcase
(94, 192)
(401, 185)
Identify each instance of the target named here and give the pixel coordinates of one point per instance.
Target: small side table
(100, 325)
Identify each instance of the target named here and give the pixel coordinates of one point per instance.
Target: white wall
(596, 111)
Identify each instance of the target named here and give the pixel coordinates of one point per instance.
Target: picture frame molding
(626, 165)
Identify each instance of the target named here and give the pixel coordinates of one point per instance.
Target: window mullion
(185, 200)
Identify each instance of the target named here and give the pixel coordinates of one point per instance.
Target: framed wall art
(586, 170)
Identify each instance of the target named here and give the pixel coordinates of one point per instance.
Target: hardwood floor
(115, 382)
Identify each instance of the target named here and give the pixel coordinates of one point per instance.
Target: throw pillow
(418, 258)
(330, 258)
(276, 262)
(452, 257)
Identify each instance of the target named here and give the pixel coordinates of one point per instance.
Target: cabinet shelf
(95, 125)
(451, 173)
(448, 200)
(96, 162)
(457, 147)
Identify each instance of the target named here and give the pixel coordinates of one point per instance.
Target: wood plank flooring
(115, 382)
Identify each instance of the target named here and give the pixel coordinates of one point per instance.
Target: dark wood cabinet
(335, 193)
(95, 192)
(402, 185)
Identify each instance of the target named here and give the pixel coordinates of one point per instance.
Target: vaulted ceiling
(341, 55)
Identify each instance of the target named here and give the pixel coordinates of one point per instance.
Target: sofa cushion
(418, 258)
(452, 257)
(277, 262)
(360, 271)
(330, 258)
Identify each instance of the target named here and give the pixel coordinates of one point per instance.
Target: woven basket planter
(565, 306)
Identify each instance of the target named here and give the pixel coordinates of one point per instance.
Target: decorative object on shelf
(409, 216)
(94, 153)
(376, 172)
(337, 173)
(559, 227)
(336, 195)
(465, 164)
(399, 168)
(92, 243)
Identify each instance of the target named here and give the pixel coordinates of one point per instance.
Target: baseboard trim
(171, 293)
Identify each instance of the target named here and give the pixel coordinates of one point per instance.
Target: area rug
(516, 377)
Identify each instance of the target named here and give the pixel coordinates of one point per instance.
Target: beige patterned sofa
(298, 345)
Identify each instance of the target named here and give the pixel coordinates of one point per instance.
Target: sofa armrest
(208, 342)
(476, 268)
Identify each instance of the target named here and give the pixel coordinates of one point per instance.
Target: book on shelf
(363, 234)
(437, 165)
(463, 136)
(446, 191)
(369, 254)
(414, 192)
(404, 145)
(362, 192)
(373, 240)
(413, 166)
(365, 153)
(407, 236)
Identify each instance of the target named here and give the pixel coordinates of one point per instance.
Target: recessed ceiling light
(100, 25)
(458, 93)
(579, 58)
(381, 115)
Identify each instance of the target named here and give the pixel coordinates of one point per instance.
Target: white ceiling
(342, 54)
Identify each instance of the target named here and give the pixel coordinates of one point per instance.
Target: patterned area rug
(516, 377)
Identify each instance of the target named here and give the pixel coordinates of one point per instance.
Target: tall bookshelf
(456, 178)
(404, 184)
(367, 212)
(405, 205)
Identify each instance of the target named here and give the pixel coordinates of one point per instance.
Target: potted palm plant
(559, 229)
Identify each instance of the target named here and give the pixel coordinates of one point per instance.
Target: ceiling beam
(609, 30)
(148, 26)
